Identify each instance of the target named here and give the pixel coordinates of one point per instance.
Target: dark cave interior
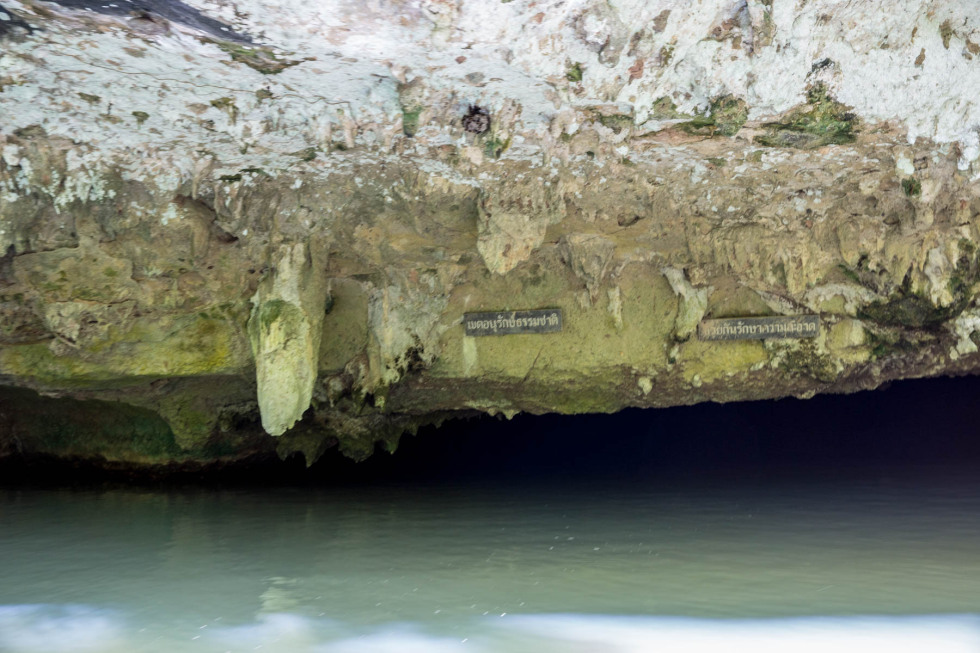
(919, 424)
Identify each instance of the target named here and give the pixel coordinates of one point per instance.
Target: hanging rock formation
(284, 330)
(221, 223)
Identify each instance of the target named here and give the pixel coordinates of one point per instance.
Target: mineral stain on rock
(476, 120)
(10, 23)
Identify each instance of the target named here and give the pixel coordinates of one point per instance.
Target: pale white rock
(353, 57)
(964, 327)
(693, 303)
(285, 330)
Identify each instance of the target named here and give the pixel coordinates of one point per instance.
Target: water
(885, 559)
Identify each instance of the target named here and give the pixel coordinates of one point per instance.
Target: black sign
(504, 323)
(760, 328)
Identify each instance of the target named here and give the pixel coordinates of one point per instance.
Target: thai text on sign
(760, 328)
(504, 323)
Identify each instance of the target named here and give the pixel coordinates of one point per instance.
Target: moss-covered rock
(807, 359)
(725, 117)
(70, 428)
(910, 310)
(821, 121)
(257, 57)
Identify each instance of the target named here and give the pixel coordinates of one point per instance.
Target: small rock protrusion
(693, 303)
(589, 256)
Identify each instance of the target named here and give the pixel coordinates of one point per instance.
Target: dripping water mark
(10, 23)
(171, 10)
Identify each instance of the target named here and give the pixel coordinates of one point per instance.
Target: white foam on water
(70, 629)
(398, 639)
(57, 629)
(272, 632)
(948, 634)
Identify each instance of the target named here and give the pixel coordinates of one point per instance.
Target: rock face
(225, 222)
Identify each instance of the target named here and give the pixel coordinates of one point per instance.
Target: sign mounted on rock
(760, 328)
(506, 323)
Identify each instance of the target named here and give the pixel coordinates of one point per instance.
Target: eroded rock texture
(220, 221)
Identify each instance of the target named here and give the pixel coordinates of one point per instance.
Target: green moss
(192, 428)
(616, 122)
(821, 121)
(410, 121)
(227, 105)
(35, 361)
(910, 309)
(884, 345)
(700, 126)
(915, 311)
(255, 171)
(850, 274)
(805, 360)
(230, 178)
(69, 428)
(110, 272)
(717, 161)
(666, 54)
(31, 131)
(306, 154)
(765, 35)
(270, 312)
(729, 114)
(710, 362)
(186, 346)
(258, 58)
(263, 94)
(493, 146)
(574, 72)
(665, 109)
(726, 115)
(91, 99)
(911, 187)
(141, 116)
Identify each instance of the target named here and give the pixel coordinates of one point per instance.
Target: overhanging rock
(254, 219)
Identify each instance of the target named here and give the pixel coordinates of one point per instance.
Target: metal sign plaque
(760, 328)
(505, 323)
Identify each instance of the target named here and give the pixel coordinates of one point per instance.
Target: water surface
(890, 558)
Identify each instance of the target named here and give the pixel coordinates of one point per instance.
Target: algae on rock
(821, 121)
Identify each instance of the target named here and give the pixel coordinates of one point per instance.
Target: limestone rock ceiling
(354, 73)
(271, 216)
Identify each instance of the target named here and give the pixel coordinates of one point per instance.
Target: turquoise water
(872, 559)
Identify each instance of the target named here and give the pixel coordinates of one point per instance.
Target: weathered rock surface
(224, 221)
